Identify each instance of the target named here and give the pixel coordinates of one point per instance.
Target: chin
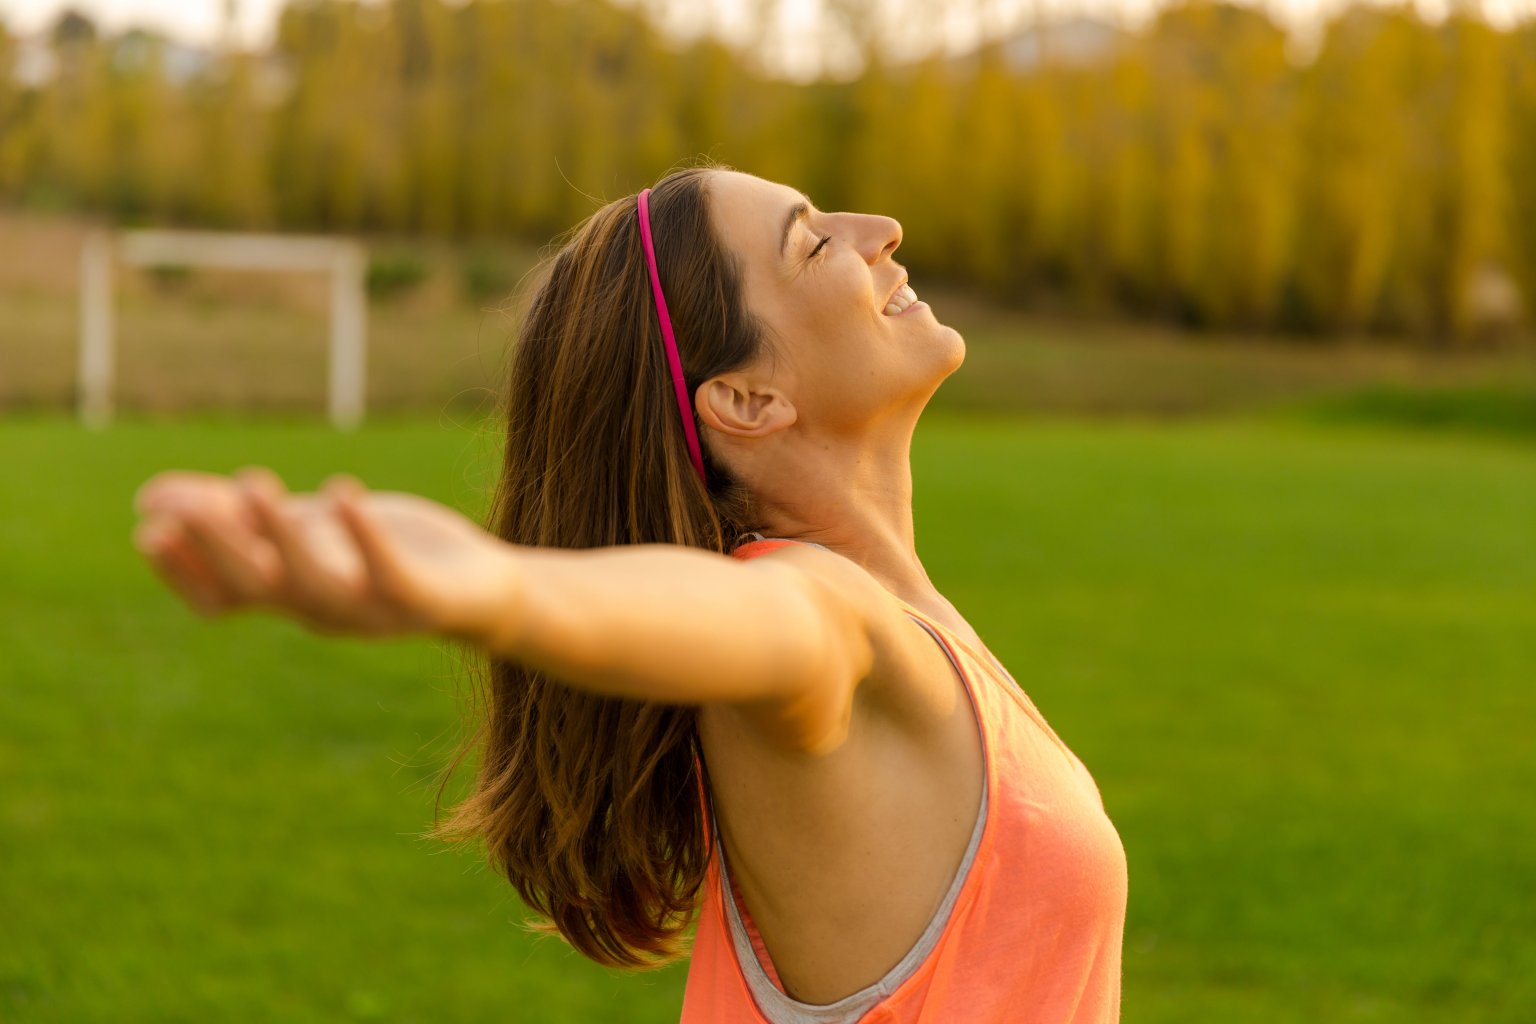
(949, 352)
(954, 350)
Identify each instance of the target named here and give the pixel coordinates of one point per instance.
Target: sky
(202, 21)
(196, 20)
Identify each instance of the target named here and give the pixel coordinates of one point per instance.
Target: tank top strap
(751, 545)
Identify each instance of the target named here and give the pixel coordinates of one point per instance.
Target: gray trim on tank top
(990, 657)
(780, 1008)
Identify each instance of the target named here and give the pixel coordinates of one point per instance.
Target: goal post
(342, 259)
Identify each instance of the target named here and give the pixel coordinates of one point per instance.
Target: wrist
(495, 619)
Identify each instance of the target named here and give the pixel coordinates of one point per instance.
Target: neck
(853, 495)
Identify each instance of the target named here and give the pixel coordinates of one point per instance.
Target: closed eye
(819, 245)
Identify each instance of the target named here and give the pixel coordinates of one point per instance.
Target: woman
(805, 745)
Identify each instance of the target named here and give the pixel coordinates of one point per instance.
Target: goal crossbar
(342, 259)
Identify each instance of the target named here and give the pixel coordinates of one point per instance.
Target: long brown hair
(588, 804)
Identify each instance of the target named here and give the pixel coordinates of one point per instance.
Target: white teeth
(903, 298)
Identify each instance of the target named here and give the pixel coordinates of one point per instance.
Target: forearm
(670, 623)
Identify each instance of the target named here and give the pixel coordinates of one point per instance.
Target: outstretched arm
(655, 622)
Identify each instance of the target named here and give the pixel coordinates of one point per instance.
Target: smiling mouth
(904, 298)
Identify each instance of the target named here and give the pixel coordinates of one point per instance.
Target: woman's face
(849, 343)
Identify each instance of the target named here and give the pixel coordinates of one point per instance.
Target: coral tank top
(1035, 931)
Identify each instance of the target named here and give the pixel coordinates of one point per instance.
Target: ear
(734, 404)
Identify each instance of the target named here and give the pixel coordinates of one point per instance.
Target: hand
(346, 561)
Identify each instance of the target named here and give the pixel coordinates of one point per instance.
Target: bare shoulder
(908, 675)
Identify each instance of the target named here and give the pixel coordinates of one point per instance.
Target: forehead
(749, 213)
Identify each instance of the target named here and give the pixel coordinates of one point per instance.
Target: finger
(169, 558)
(381, 561)
(306, 582)
(243, 568)
(261, 479)
(147, 499)
(164, 539)
(152, 536)
(174, 490)
(258, 485)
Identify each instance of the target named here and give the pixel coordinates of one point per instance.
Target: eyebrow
(796, 213)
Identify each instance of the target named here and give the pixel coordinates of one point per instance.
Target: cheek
(847, 304)
(826, 322)
(814, 321)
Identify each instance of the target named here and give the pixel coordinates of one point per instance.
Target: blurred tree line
(1191, 169)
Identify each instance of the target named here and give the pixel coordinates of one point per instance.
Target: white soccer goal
(344, 260)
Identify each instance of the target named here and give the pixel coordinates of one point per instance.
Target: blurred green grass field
(1297, 657)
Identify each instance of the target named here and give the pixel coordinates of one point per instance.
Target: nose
(880, 237)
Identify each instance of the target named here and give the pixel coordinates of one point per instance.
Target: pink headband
(684, 406)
